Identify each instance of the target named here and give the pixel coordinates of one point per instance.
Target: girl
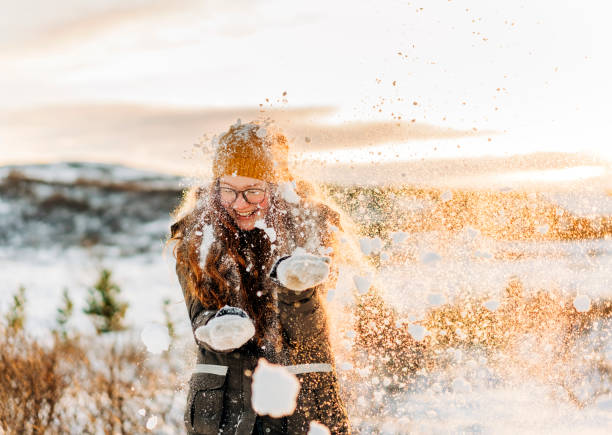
(254, 260)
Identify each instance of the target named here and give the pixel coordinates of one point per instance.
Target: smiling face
(244, 214)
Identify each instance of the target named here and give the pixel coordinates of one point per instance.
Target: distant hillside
(85, 204)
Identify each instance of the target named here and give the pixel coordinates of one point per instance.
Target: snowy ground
(475, 393)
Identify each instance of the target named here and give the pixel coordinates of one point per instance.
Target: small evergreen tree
(168, 318)
(15, 317)
(103, 305)
(64, 313)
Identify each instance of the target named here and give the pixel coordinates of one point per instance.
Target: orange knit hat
(252, 150)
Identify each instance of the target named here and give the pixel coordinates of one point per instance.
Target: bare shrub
(31, 384)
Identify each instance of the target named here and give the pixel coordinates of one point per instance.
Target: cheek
(263, 207)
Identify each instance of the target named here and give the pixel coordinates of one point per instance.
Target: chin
(245, 226)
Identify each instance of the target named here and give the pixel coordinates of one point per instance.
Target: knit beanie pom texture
(252, 150)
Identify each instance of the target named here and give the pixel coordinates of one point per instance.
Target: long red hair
(250, 250)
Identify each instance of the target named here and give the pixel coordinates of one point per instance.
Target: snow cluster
(287, 192)
(270, 232)
(492, 304)
(370, 245)
(208, 237)
(582, 303)
(418, 332)
(363, 283)
(274, 390)
(317, 428)
(155, 337)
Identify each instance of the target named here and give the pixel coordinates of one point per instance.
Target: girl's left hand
(302, 271)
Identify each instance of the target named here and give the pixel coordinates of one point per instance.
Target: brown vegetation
(93, 385)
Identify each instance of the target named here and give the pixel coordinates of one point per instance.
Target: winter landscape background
(466, 140)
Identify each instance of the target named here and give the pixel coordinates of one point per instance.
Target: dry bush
(388, 348)
(92, 385)
(31, 384)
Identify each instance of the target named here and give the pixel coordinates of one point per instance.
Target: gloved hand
(229, 329)
(302, 271)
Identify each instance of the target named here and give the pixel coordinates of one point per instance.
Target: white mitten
(302, 271)
(228, 330)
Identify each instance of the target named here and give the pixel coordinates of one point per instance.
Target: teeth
(244, 214)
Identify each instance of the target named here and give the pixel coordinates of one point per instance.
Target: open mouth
(246, 215)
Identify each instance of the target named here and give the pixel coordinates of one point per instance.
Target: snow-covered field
(474, 392)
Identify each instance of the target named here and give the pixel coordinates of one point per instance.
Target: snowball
(152, 422)
(430, 258)
(370, 245)
(460, 385)
(350, 334)
(346, 366)
(418, 332)
(376, 244)
(543, 229)
(274, 390)
(226, 332)
(261, 132)
(270, 232)
(384, 256)
(363, 284)
(491, 304)
(582, 303)
(155, 337)
(604, 403)
(399, 237)
(287, 192)
(142, 412)
(208, 238)
(435, 299)
(365, 245)
(472, 233)
(317, 428)
(446, 196)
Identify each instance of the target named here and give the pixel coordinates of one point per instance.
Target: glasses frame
(243, 193)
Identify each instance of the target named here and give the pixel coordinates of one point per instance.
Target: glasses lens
(227, 195)
(255, 196)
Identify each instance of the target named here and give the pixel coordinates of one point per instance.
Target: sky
(504, 77)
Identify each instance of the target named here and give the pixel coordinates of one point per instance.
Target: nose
(240, 202)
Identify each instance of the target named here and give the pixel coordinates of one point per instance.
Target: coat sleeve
(302, 315)
(199, 315)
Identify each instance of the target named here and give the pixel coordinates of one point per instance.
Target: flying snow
(275, 390)
(317, 428)
(363, 284)
(430, 258)
(155, 337)
(208, 238)
(491, 304)
(582, 303)
(399, 237)
(270, 232)
(287, 192)
(418, 332)
(152, 422)
(370, 246)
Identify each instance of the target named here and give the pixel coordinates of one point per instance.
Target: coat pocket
(205, 403)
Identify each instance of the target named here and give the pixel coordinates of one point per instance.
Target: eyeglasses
(252, 196)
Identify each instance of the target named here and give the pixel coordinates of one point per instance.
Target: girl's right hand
(229, 329)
